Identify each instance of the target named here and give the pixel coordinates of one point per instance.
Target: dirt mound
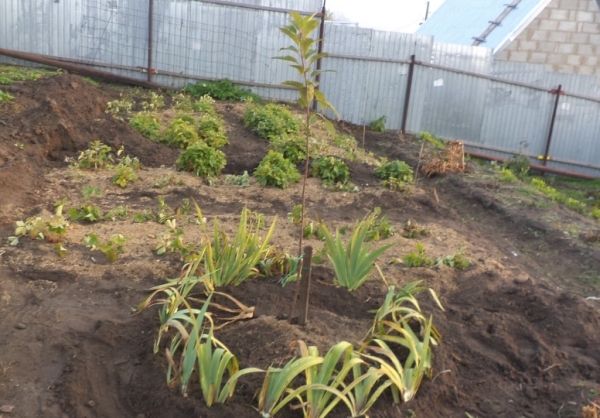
(56, 117)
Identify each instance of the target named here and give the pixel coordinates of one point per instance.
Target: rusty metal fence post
(411, 71)
(558, 92)
(150, 29)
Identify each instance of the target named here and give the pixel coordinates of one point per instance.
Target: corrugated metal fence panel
(539, 75)
(576, 135)
(360, 84)
(454, 103)
(516, 118)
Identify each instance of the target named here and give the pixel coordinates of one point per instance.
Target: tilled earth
(520, 339)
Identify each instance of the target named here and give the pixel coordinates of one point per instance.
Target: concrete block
(551, 25)
(579, 38)
(528, 46)
(585, 69)
(585, 16)
(569, 4)
(567, 26)
(597, 17)
(539, 35)
(557, 36)
(565, 69)
(526, 35)
(574, 59)
(586, 49)
(558, 14)
(554, 4)
(590, 28)
(518, 56)
(548, 46)
(566, 48)
(591, 60)
(595, 39)
(538, 58)
(557, 59)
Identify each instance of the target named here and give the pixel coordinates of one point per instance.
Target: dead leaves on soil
(451, 160)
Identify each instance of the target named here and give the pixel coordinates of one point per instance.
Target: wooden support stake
(305, 284)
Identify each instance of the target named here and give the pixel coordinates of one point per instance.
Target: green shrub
(378, 125)
(203, 160)
(518, 164)
(205, 104)
(395, 174)
(292, 147)
(212, 131)
(271, 120)
(220, 90)
(98, 155)
(276, 170)
(180, 133)
(432, 139)
(331, 170)
(146, 124)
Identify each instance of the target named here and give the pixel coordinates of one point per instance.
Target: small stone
(91, 404)
(7, 409)
(20, 325)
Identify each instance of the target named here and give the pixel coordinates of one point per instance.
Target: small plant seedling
(378, 125)
(120, 212)
(156, 103)
(89, 213)
(118, 107)
(380, 228)
(98, 155)
(457, 261)
(5, 97)
(172, 240)
(88, 191)
(413, 230)
(111, 249)
(417, 258)
(241, 180)
(212, 131)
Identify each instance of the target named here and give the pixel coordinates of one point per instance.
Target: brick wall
(565, 36)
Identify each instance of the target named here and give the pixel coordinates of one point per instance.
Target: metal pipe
(552, 120)
(320, 50)
(77, 68)
(150, 27)
(541, 168)
(411, 70)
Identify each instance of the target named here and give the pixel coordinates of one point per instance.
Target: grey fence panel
(454, 102)
(576, 133)
(516, 118)
(454, 105)
(367, 72)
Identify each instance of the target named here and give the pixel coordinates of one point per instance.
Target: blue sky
(396, 15)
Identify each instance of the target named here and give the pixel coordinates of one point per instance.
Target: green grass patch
(9, 74)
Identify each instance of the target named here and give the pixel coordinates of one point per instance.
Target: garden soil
(521, 338)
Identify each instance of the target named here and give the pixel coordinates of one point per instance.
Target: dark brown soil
(519, 337)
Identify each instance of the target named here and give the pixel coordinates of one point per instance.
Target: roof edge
(521, 27)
